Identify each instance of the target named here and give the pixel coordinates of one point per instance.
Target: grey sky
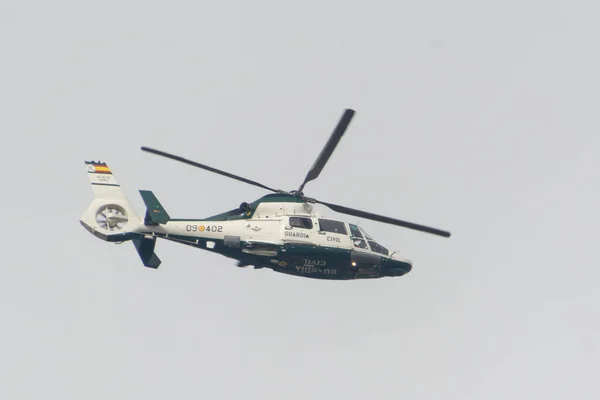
(474, 117)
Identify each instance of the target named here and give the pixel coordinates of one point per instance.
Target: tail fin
(110, 216)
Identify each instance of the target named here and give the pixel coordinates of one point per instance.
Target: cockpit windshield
(376, 247)
(366, 234)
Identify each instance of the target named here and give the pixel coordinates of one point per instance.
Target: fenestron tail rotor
(314, 173)
(111, 218)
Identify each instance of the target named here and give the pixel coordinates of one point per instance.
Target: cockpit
(361, 239)
(368, 259)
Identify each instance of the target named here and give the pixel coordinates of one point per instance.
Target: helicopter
(280, 231)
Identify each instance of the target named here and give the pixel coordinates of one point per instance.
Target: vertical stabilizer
(110, 216)
(103, 182)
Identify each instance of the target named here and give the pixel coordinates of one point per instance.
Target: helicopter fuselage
(285, 235)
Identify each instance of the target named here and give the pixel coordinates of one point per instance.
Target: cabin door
(299, 230)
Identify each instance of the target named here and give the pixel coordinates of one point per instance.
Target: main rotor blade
(381, 218)
(329, 147)
(206, 167)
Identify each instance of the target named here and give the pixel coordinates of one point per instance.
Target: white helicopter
(280, 231)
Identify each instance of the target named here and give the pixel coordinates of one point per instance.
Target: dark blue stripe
(105, 184)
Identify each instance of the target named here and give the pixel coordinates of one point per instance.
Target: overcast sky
(476, 117)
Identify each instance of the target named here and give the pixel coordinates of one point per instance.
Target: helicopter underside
(301, 260)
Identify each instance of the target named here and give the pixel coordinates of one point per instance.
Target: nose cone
(396, 256)
(396, 265)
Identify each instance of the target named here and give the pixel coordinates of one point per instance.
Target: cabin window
(377, 248)
(329, 225)
(299, 222)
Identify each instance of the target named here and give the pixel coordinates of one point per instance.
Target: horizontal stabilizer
(155, 212)
(145, 248)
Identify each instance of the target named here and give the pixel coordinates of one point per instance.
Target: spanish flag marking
(101, 169)
(97, 167)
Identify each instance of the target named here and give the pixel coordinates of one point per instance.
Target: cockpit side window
(357, 237)
(329, 225)
(299, 222)
(354, 231)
